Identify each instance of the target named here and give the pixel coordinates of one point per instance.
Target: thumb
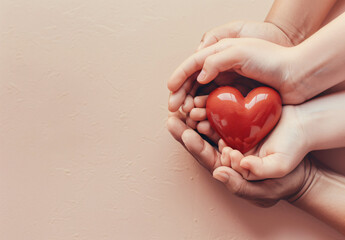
(270, 166)
(260, 192)
(232, 180)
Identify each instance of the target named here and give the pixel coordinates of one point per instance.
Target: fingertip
(221, 145)
(191, 123)
(186, 135)
(245, 164)
(225, 160)
(192, 140)
(236, 154)
(201, 77)
(198, 114)
(188, 104)
(171, 104)
(170, 123)
(220, 175)
(204, 127)
(200, 101)
(171, 85)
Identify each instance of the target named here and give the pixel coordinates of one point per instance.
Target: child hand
(277, 154)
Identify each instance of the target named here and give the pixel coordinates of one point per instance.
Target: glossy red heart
(243, 121)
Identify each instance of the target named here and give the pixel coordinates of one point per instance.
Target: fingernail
(221, 176)
(201, 76)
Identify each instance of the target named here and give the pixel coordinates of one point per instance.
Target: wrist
(293, 85)
(305, 122)
(294, 35)
(311, 175)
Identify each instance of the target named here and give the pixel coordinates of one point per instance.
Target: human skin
(279, 153)
(296, 72)
(308, 186)
(205, 129)
(313, 78)
(287, 24)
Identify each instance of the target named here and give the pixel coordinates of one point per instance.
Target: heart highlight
(242, 122)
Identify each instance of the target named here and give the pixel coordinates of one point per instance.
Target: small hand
(277, 154)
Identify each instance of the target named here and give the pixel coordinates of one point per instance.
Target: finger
(220, 62)
(221, 145)
(235, 158)
(225, 157)
(188, 104)
(176, 127)
(193, 64)
(232, 180)
(271, 166)
(258, 191)
(191, 123)
(200, 101)
(178, 114)
(177, 98)
(207, 155)
(229, 30)
(198, 114)
(204, 127)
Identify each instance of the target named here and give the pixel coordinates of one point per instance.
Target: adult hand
(237, 29)
(257, 59)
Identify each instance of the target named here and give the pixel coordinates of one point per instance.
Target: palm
(280, 152)
(263, 193)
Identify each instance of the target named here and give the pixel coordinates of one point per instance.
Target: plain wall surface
(84, 152)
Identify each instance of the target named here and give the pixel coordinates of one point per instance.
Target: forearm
(299, 19)
(323, 121)
(318, 63)
(324, 198)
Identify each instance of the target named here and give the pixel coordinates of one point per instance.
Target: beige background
(84, 153)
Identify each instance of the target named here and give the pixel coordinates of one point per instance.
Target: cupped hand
(257, 59)
(263, 193)
(275, 156)
(237, 29)
(194, 104)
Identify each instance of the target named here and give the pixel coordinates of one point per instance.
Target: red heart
(243, 122)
